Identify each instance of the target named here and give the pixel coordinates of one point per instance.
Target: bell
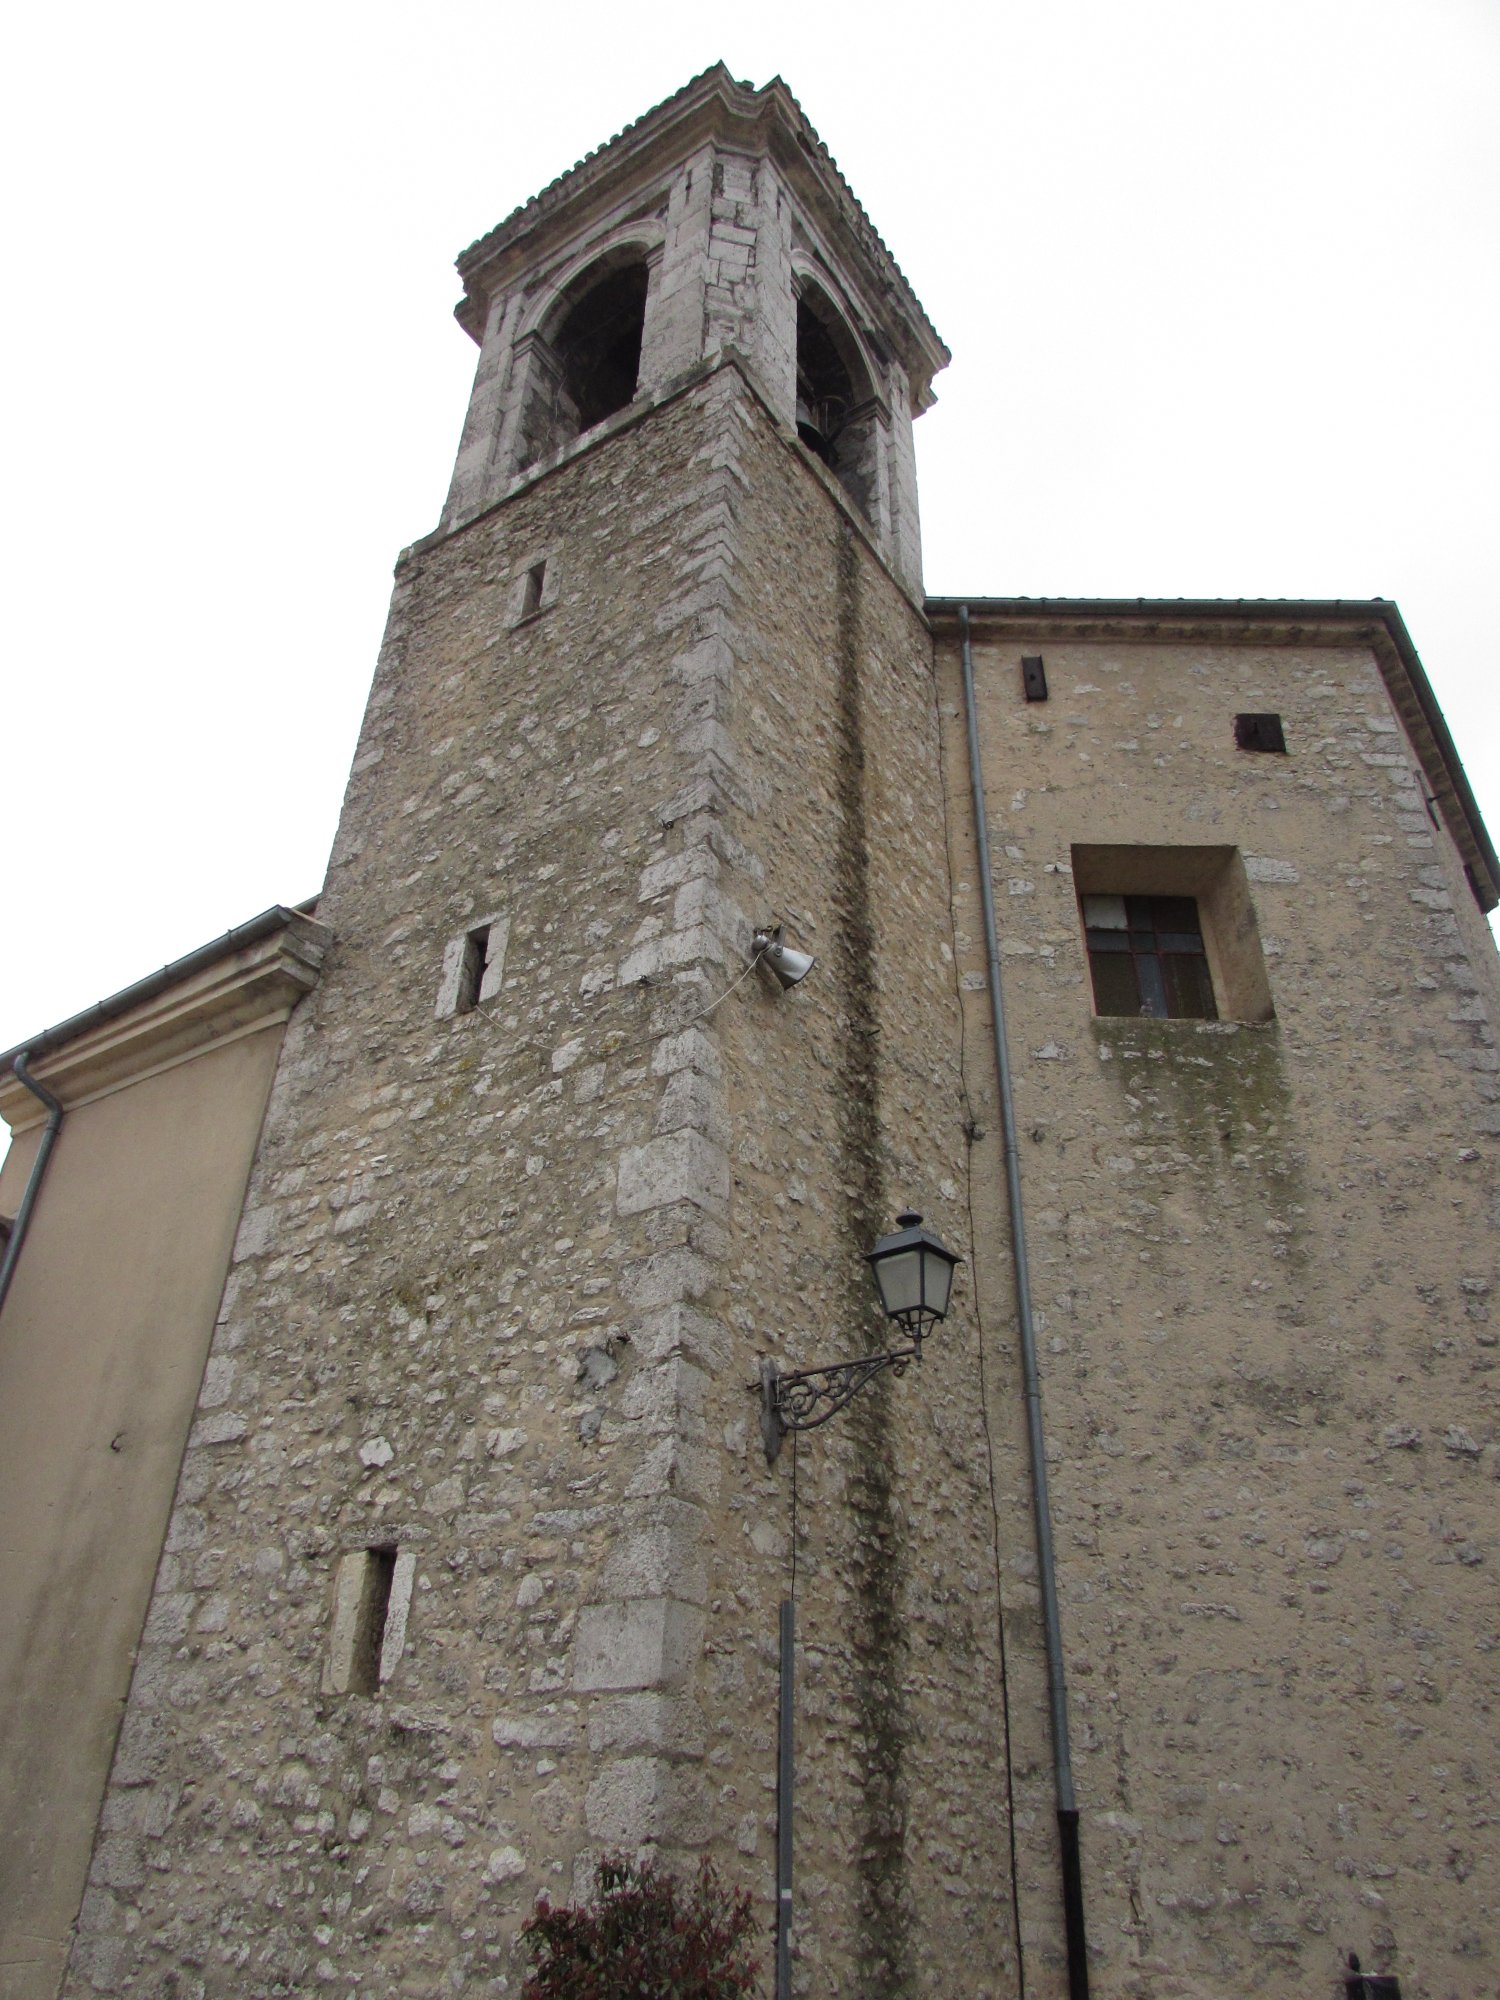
(810, 429)
(790, 966)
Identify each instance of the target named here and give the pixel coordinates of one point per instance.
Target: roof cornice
(250, 978)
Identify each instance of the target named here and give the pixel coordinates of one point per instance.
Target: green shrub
(645, 1936)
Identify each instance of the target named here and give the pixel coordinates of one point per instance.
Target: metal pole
(784, 1812)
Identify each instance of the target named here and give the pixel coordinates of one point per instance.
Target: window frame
(1158, 938)
(1216, 881)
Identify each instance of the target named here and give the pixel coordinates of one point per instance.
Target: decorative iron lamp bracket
(913, 1273)
(809, 1397)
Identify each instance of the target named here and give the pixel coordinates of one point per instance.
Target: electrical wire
(792, 1592)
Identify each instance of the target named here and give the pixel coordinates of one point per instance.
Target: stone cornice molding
(250, 979)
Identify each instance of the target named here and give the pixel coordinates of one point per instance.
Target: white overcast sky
(1219, 278)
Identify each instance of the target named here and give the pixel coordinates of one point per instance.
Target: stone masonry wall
(1264, 1265)
(464, 1318)
(845, 1104)
(504, 1276)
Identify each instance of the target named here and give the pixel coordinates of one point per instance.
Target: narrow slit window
(361, 1611)
(473, 967)
(1146, 956)
(475, 964)
(531, 593)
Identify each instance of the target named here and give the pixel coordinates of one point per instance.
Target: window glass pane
(1175, 913)
(1146, 957)
(1189, 987)
(1153, 987)
(1115, 990)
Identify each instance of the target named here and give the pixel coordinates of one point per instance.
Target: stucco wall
(1263, 1260)
(102, 1348)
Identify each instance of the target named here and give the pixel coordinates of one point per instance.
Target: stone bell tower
(624, 279)
(474, 1562)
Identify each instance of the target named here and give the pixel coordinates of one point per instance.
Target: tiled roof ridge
(543, 197)
(536, 200)
(859, 208)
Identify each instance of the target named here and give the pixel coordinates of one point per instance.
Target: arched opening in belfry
(835, 398)
(588, 358)
(599, 344)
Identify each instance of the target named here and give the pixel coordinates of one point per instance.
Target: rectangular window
(1260, 732)
(1147, 957)
(532, 591)
(1171, 933)
(371, 1605)
(361, 1608)
(1034, 677)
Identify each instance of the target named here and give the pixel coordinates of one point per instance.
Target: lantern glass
(913, 1273)
(899, 1279)
(937, 1280)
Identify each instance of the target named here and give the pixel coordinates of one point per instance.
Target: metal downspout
(1057, 1686)
(38, 1167)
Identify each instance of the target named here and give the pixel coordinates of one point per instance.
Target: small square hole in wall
(1171, 933)
(473, 967)
(1369, 1985)
(1259, 732)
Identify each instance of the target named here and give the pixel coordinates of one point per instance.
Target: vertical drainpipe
(1057, 1685)
(38, 1167)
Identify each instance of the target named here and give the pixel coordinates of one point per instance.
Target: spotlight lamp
(913, 1271)
(790, 966)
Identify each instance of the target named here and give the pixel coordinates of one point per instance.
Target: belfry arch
(837, 403)
(585, 355)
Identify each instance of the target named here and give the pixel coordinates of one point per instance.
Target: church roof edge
(297, 920)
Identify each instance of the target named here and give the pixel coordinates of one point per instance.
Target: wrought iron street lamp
(913, 1271)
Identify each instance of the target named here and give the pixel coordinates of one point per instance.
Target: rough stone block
(681, 1166)
(683, 1330)
(691, 1049)
(659, 1553)
(694, 1103)
(666, 1397)
(648, 1643)
(651, 1724)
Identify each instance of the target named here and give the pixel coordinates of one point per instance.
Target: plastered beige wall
(1264, 1261)
(102, 1347)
